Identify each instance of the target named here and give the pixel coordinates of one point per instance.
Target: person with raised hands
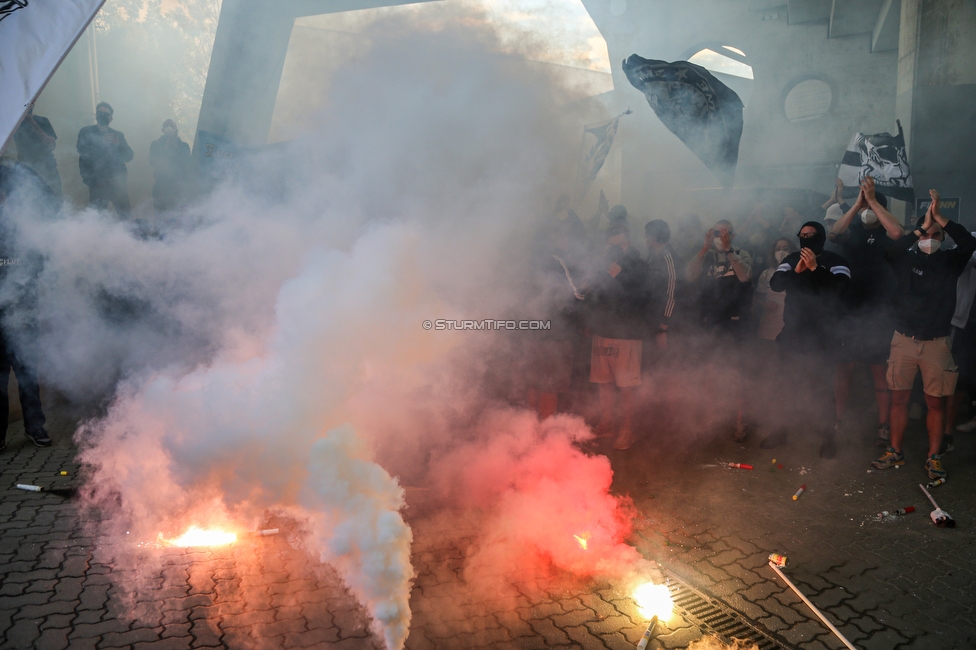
(924, 305)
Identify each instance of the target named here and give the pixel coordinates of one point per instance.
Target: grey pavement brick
(89, 616)
(47, 609)
(120, 639)
(486, 638)
(552, 634)
(52, 639)
(23, 633)
(164, 644)
(90, 630)
(574, 618)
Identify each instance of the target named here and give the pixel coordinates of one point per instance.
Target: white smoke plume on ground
(236, 349)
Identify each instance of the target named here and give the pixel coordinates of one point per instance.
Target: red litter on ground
(740, 466)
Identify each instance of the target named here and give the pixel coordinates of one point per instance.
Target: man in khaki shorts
(618, 322)
(924, 306)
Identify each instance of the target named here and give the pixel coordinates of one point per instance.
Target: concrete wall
(940, 95)
(774, 152)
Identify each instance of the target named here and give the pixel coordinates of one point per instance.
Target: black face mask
(103, 118)
(815, 242)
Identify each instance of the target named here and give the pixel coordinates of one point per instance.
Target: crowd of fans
(800, 305)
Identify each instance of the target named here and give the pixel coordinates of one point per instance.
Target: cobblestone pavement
(901, 584)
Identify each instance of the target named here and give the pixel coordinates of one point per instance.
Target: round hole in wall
(808, 100)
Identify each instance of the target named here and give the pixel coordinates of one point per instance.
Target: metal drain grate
(714, 617)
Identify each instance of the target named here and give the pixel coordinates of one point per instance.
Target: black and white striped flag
(881, 156)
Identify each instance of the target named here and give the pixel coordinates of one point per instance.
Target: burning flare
(196, 536)
(582, 540)
(654, 600)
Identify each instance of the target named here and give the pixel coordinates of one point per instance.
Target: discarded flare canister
(30, 488)
(779, 560)
(799, 492)
(740, 466)
(936, 483)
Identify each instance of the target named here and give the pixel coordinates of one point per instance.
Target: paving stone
(552, 634)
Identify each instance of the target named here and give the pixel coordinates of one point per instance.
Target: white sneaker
(967, 427)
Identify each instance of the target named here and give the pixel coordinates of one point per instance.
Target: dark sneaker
(891, 458)
(39, 437)
(934, 467)
(828, 448)
(773, 440)
(947, 445)
(884, 436)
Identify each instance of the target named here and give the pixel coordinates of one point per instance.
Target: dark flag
(593, 160)
(695, 106)
(881, 156)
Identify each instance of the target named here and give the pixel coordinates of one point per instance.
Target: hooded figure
(813, 281)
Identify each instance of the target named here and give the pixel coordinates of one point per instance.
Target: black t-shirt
(873, 282)
(723, 300)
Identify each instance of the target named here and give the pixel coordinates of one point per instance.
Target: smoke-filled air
(266, 354)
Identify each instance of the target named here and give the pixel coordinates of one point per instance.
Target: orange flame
(654, 600)
(196, 536)
(582, 541)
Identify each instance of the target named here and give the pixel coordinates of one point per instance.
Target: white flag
(35, 36)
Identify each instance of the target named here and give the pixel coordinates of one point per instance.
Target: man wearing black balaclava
(102, 154)
(813, 280)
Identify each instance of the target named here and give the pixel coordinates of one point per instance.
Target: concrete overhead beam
(248, 55)
(809, 11)
(850, 17)
(885, 35)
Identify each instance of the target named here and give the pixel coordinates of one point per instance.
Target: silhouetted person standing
(170, 160)
(17, 312)
(35, 139)
(102, 154)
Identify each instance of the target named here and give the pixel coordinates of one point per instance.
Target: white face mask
(929, 246)
(869, 218)
(780, 256)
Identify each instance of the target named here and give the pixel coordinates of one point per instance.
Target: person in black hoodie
(924, 307)
(618, 322)
(814, 280)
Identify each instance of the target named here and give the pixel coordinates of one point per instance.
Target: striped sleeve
(840, 269)
(672, 280)
(784, 267)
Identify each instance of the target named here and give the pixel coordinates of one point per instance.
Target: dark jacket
(813, 301)
(662, 284)
(926, 297)
(170, 160)
(99, 157)
(619, 304)
(723, 299)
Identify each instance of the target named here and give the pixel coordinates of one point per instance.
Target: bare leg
(935, 422)
(842, 387)
(899, 417)
(607, 399)
(547, 404)
(628, 400)
(952, 410)
(882, 394)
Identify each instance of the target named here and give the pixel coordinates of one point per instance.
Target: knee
(901, 397)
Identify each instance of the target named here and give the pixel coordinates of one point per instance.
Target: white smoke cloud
(236, 348)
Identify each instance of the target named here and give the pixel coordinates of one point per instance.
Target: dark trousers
(30, 392)
(114, 190)
(803, 398)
